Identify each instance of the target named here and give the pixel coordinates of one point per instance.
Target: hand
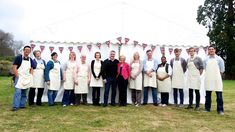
(48, 82)
(88, 82)
(97, 78)
(76, 83)
(150, 74)
(104, 80)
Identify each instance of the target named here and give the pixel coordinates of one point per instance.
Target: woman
(136, 79)
(81, 79)
(96, 78)
(164, 72)
(122, 80)
(68, 69)
(38, 79)
(53, 77)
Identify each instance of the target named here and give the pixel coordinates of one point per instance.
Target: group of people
(111, 73)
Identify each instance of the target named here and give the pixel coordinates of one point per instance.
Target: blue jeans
(111, 81)
(219, 100)
(20, 97)
(175, 94)
(154, 94)
(68, 97)
(51, 97)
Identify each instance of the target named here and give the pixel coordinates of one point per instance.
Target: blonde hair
(136, 53)
(122, 56)
(73, 54)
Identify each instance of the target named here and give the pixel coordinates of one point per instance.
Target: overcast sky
(147, 21)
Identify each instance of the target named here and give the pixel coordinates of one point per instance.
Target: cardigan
(92, 69)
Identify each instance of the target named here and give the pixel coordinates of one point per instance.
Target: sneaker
(160, 104)
(181, 105)
(189, 107)
(164, 105)
(144, 103)
(137, 105)
(71, 104)
(221, 113)
(197, 108)
(14, 109)
(64, 105)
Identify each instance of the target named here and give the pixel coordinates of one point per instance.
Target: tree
(219, 17)
(6, 43)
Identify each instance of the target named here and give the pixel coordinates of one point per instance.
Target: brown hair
(97, 53)
(35, 51)
(72, 53)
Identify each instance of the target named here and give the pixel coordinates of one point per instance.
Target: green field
(130, 118)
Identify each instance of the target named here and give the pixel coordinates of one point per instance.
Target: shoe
(181, 105)
(221, 113)
(64, 105)
(113, 104)
(160, 104)
(137, 105)
(197, 108)
(206, 111)
(189, 107)
(155, 104)
(175, 105)
(14, 109)
(71, 104)
(144, 103)
(164, 105)
(105, 105)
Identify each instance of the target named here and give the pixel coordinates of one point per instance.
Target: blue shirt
(155, 66)
(219, 60)
(49, 66)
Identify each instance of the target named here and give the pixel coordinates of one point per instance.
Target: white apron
(94, 82)
(137, 83)
(55, 77)
(213, 80)
(165, 85)
(177, 75)
(82, 77)
(150, 81)
(38, 76)
(25, 79)
(69, 82)
(194, 81)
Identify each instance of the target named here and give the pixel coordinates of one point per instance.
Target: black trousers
(197, 92)
(164, 98)
(78, 99)
(122, 87)
(96, 95)
(136, 96)
(32, 95)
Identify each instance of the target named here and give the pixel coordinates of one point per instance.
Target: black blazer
(92, 69)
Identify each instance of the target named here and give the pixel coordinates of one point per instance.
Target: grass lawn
(130, 118)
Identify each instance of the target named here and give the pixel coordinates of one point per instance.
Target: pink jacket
(125, 70)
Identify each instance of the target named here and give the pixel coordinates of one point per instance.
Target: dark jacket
(183, 64)
(92, 69)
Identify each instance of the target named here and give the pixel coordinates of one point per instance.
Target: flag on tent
(144, 46)
(108, 43)
(135, 43)
(42, 48)
(33, 46)
(51, 48)
(61, 49)
(170, 50)
(70, 48)
(98, 45)
(80, 48)
(126, 40)
(89, 46)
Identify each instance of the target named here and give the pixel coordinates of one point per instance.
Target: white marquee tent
(126, 49)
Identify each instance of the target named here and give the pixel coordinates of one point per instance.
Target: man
(150, 80)
(178, 65)
(214, 67)
(109, 76)
(22, 69)
(195, 69)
